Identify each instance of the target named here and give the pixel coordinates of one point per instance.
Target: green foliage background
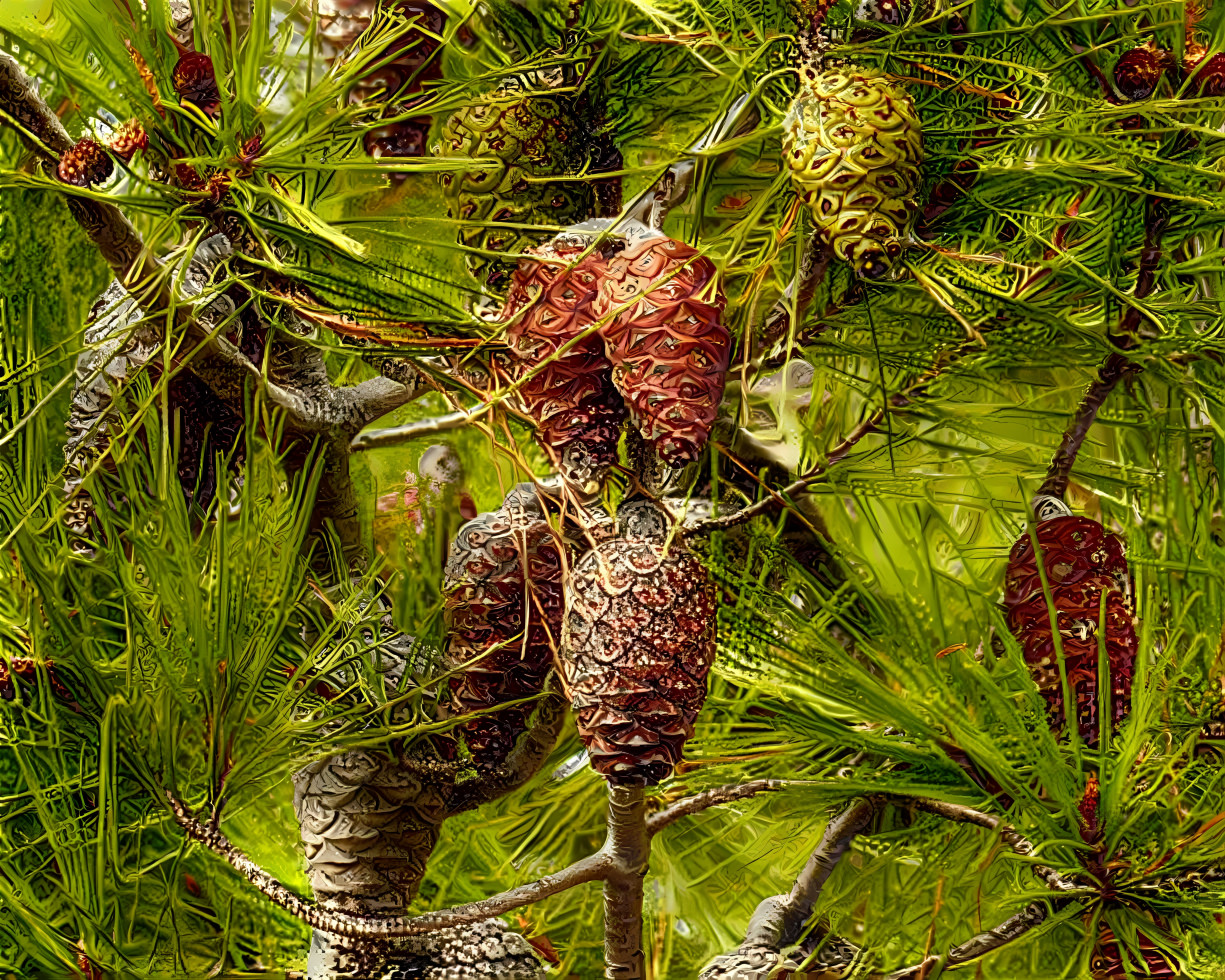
(174, 638)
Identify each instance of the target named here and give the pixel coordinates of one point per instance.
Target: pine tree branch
(1010, 930)
(1116, 366)
(628, 847)
(591, 868)
(395, 435)
(711, 797)
(779, 498)
(815, 264)
(1019, 845)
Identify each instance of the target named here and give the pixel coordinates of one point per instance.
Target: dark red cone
(85, 164)
(1084, 564)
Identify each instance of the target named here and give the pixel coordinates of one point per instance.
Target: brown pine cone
(570, 395)
(1083, 564)
(196, 82)
(129, 138)
(1137, 73)
(503, 615)
(85, 164)
(1208, 80)
(669, 348)
(638, 643)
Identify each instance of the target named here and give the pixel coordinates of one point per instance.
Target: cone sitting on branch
(596, 324)
(1089, 585)
(503, 615)
(638, 644)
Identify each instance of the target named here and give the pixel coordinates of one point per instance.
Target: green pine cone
(520, 140)
(853, 143)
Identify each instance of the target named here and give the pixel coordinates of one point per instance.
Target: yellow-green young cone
(521, 141)
(852, 141)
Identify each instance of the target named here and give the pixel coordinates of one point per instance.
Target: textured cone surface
(84, 164)
(1137, 73)
(481, 950)
(518, 139)
(195, 81)
(669, 349)
(503, 616)
(369, 826)
(832, 962)
(128, 139)
(854, 147)
(1084, 565)
(570, 395)
(638, 644)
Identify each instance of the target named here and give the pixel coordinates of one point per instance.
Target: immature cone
(517, 142)
(666, 341)
(1208, 80)
(1085, 566)
(195, 81)
(854, 146)
(84, 164)
(638, 643)
(129, 138)
(1137, 73)
(503, 615)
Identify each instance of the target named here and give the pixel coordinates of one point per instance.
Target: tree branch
(711, 797)
(1020, 845)
(777, 498)
(628, 847)
(815, 264)
(352, 926)
(395, 435)
(779, 921)
(1011, 929)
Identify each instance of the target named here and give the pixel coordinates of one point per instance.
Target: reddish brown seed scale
(128, 139)
(1083, 564)
(1138, 71)
(638, 645)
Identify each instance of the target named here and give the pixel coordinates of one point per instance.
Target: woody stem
(628, 848)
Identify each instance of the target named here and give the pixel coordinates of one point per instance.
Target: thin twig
(1011, 929)
(591, 868)
(1020, 845)
(711, 797)
(395, 435)
(871, 424)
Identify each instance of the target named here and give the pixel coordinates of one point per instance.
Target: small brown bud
(85, 164)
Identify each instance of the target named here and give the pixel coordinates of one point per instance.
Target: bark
(629, 848)
(780, 921)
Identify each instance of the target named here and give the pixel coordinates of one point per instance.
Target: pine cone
(129, 138)
(520, 139)
(195, 82)
(85, 164)
(668, 346)
(1083, 564)
(503, 616)
(571, 397)
(638, 643)
(1137, 73)
(855, 148)
(1208, 80)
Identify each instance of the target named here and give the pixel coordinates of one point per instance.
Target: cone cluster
(853, 143)
(1090, 587)
(638, 644)
(503, 614)
(595, 333)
